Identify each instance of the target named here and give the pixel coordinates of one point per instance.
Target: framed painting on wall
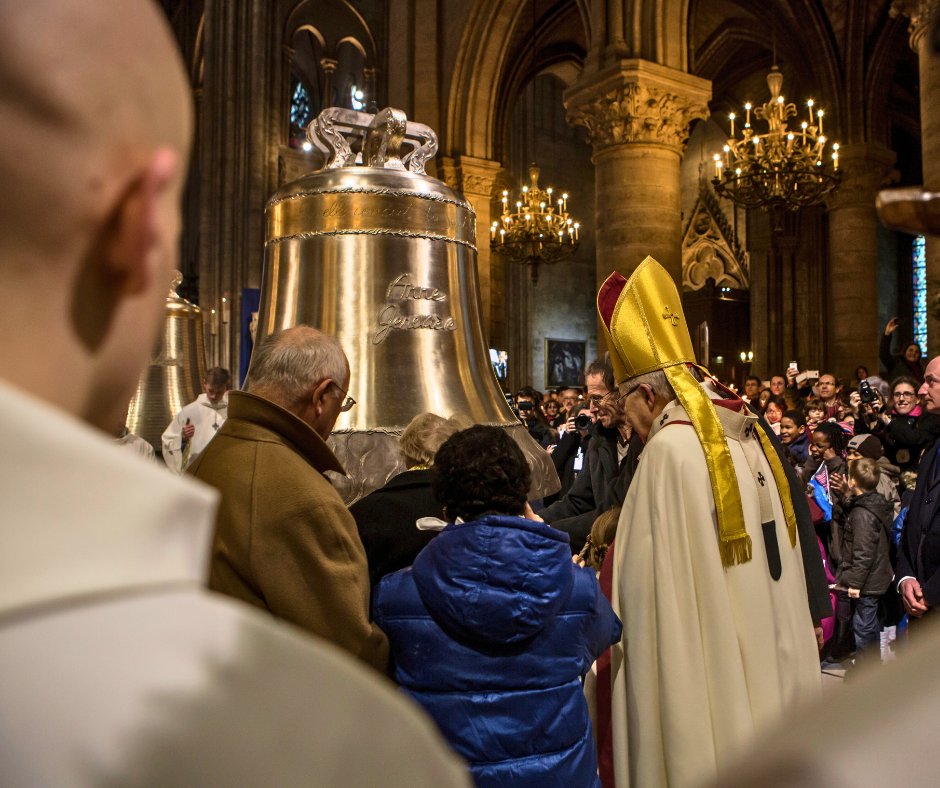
(564, 362)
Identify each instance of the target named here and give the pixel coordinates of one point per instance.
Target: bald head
(88, 90)
(96, 119)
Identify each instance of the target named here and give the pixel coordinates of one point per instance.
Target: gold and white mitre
(646, 331)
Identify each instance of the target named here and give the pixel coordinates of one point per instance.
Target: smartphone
(793, 367)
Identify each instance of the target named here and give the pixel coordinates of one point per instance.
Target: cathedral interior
(623, 105)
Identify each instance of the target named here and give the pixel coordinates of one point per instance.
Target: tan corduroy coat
(284, 541)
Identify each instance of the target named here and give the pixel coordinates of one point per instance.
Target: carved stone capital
(920, 12)
(866, 168)
(478, 176)
(638, 102)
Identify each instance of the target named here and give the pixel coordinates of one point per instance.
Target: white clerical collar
(83, 517)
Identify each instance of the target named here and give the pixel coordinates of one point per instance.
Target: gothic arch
(481, 61)
(655, 30)
(332, 21)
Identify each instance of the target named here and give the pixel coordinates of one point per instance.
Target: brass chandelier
(536, 228)
(782, 167)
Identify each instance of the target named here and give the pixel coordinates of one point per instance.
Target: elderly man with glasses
(284, 541)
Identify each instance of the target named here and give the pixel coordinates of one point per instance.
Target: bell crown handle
(383, 135)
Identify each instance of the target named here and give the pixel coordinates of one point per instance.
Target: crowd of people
(855, 447)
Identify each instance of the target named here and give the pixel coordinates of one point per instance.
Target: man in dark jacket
(919, 552)
(610, 461)
(569, 456)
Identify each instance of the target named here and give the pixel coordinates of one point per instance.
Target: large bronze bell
(175, 373)
(375, 252)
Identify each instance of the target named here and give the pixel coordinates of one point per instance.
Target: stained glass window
(300, 106)
(919, 265)
(301, 113)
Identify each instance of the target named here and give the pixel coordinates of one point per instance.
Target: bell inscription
(402, 289)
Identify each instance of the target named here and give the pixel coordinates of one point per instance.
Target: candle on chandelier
(502, 236)
(577, 227)
(564, 201)
(727, 150)
(790, 142)
(803, 125)
(835, 155)
(747, 123)
(717, 159)
(820, 116)
(810, 105)
(731, 118)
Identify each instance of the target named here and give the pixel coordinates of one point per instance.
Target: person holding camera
(569, 455)
(904, 428)
(529, 407)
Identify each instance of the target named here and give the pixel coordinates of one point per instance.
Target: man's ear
(318, 395)
(137, 224)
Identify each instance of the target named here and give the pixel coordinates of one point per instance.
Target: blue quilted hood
(499, 579)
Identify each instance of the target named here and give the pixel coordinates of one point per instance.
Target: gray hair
(658, 383)
(656, 380)
(289, 364)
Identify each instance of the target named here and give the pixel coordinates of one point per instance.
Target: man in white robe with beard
(707, 576)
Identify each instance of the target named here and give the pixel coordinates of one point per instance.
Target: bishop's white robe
(710, 655)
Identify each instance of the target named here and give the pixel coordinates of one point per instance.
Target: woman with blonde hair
(387, 517)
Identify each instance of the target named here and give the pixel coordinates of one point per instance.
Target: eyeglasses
(348, 402)
(905, 394)
(597, 400)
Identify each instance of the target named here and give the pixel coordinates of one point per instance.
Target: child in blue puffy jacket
(494, 627)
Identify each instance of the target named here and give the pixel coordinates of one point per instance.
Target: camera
(866, 393)
(582, 421)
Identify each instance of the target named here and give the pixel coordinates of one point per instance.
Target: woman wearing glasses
(902, 424)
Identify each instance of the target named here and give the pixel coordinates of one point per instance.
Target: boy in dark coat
(865, 571)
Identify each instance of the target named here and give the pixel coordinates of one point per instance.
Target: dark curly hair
(478, 471)
(837, 438)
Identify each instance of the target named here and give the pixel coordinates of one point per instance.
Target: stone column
(244, 104)
(637, 114)
(853, 257)
(476, 180)
(921, 14)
